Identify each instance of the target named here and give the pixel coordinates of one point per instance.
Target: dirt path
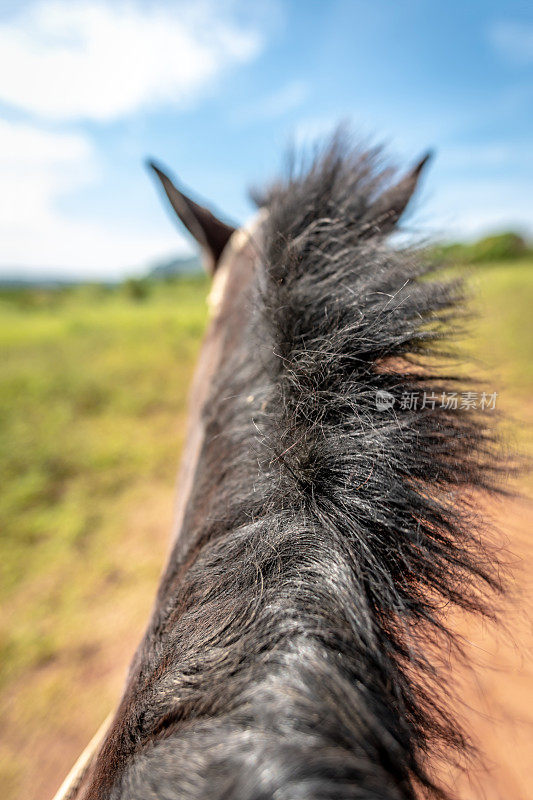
(498, 693)
(50, 714)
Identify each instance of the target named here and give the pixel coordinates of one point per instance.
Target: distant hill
(14, 281)
(160, 270)
(172, 267)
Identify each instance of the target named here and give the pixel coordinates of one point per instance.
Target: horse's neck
(226, 316)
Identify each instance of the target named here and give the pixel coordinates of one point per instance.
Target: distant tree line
(507, 246)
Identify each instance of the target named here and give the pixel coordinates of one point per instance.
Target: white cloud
(513, 40)
(75, 59)
(486, 155)
(281, 102)
(37, 168)
(286, 99)
(313, 130)
(471, 208)
(65, 61)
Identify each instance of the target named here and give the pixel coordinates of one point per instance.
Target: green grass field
(93, 393)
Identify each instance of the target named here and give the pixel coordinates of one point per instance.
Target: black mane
(294, 649)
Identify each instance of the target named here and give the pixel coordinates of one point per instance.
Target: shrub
(501, 247)
(137, 289)
(506, 246)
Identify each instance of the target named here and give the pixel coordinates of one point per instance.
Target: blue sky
(216, 89)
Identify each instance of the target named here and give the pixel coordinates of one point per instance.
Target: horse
(328, 513)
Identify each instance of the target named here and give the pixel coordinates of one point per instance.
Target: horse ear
(385, 212)
(209, 231)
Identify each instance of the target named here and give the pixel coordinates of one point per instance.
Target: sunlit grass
(504, 329)
(501, 342)
(92, 402)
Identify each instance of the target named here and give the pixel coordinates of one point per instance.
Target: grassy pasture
(93, 390)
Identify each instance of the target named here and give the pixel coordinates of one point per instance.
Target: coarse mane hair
(294, 648)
